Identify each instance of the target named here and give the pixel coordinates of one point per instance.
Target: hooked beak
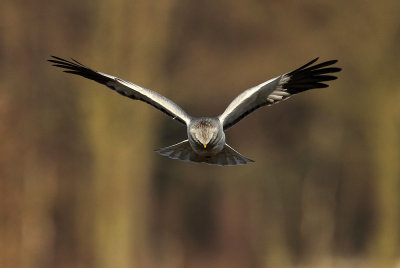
(205, 146)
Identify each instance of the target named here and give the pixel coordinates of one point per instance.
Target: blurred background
(80, 185)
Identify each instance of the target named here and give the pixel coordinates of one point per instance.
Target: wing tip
(311, 76)
(59, 60)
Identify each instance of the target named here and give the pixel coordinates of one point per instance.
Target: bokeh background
(80, 185)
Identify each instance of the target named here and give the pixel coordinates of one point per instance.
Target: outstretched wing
(125, 88)
(277, 89)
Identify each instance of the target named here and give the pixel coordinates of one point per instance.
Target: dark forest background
(80, 185)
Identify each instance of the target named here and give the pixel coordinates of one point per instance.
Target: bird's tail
(183, 151)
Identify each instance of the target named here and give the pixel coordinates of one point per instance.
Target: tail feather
(184, 152)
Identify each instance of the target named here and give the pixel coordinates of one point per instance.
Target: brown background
(81, 187)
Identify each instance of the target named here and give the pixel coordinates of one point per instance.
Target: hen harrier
(206, 137)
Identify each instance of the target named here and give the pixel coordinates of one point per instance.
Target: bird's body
(206, 135)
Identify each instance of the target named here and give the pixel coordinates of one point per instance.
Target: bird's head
(205, 133)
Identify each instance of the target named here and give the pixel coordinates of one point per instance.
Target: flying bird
(206, 135)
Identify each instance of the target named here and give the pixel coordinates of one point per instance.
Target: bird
(206, 141)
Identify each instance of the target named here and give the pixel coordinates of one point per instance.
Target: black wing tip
(77, 62)
(317, 58)
(68, 64)
(338, 70)
(332, 61)
(311, 76)
(323, 63)
(305, 65)
(309, 67)
(53, 58)
(58, 60)
(329, 62)
(76, 68)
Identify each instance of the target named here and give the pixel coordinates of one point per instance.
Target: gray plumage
(206, 136)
